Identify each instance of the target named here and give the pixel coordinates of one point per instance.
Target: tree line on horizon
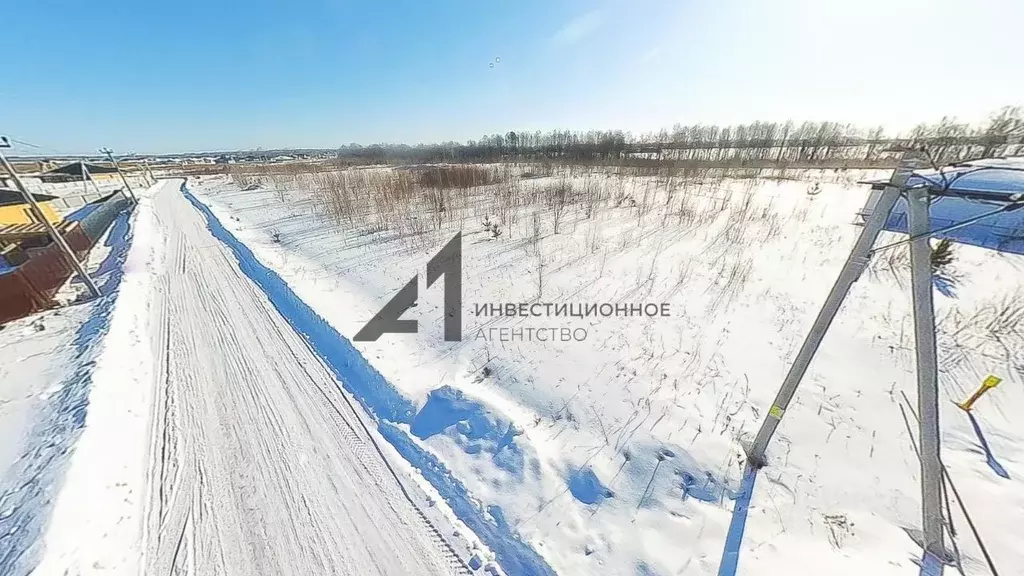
(771, 142)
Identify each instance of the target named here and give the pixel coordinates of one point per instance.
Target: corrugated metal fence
(31, 286)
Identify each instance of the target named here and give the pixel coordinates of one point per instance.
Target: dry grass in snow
(655, 408)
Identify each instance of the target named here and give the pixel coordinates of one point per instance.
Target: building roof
(9, 197)
(75, 169)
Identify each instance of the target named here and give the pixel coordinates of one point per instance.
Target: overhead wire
(48, 149)
(1007, 208)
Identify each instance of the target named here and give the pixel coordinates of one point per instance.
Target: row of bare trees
(810, 143)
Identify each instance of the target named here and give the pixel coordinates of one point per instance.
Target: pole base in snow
(754, 461)
(931, 564)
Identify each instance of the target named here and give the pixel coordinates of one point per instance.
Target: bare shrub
(594, 239)
(508, 198)
(645, 205)
(381, 199)
(246, 179)
(334, 197)
(593, 196)
(280, 185)
(457, 176)
(393, 192)
(731, 279)
(535, 247)
(541, 169)
(687, 210)
(556, 195)
(436, 201)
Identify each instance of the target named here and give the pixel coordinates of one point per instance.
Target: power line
(50, 149)
(23, 143)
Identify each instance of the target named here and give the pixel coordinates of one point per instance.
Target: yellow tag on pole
(776, 412)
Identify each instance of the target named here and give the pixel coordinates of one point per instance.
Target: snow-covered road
(259, 463)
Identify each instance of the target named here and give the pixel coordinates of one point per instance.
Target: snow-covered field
(211, 414)
(618, 452)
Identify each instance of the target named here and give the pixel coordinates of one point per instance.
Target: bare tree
(557, 197)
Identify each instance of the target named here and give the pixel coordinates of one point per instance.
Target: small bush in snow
(491, 227)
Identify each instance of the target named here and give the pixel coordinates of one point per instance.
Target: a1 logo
(447, 263)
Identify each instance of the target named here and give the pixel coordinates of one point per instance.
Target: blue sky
(203, 75)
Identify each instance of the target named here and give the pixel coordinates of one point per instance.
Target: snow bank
(96, 523)
(58, 378)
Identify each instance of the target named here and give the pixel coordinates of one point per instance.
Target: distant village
(47, 167)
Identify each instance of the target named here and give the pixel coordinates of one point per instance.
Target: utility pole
(54, 234)
(919, 226)
(145, 162)
(110, 155)
(86, 174)
(852, 269)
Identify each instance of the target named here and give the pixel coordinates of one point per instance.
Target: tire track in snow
(260, 463)
(390, 410)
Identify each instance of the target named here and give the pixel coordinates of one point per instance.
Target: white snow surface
(216, 441)
(46, 361)
(96, 525)
(645, 402)
(213, 440)
(259, 463)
